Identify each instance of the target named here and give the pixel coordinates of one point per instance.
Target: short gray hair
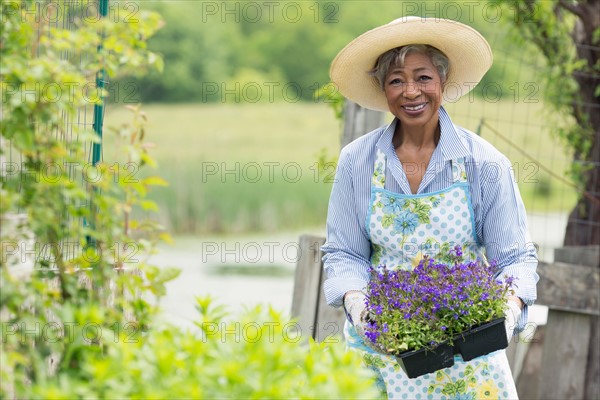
(395, 57)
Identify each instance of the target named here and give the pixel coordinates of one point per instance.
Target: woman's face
(414, 92)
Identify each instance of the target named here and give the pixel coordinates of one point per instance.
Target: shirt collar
(451, 144)
(385, 140)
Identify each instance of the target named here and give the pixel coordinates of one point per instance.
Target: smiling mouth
(415, 108)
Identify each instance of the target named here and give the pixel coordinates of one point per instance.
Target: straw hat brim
(469, 54)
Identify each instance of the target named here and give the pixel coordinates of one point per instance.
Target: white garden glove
(356, 310)
(512, 315)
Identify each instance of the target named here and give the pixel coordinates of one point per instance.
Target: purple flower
(509, 280)
(433, 301)
(458, 251)
(372, 335)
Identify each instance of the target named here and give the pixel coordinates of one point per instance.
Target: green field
(248, 168)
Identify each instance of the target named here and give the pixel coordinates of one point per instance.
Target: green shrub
(259, 356)
(86, 275)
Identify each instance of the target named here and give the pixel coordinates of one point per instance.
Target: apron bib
(402, 229)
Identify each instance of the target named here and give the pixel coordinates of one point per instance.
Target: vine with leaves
(567, 34)
(90, 273)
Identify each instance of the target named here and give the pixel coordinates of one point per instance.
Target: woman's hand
(512, 315)
(356, 308)
(355, 305)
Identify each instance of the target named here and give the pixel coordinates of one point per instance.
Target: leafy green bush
(258, 356)
(86, 252)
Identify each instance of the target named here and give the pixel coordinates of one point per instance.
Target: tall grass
(222, 205)
(240, 168)
(248, 168)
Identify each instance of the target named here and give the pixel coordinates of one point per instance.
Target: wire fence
(525, 128)
(47, 16)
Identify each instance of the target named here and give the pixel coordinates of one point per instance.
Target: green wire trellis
(99, 108)
(98, 120)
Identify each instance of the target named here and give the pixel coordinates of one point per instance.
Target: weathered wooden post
(570, 287)
(315, 316)
(358, 121)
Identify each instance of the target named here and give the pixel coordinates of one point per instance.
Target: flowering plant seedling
(411, 310)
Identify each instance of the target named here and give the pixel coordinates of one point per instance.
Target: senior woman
(408, 67)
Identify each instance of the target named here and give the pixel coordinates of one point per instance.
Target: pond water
(237, 272)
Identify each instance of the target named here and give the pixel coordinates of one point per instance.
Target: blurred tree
(198, 55)
(206, 48)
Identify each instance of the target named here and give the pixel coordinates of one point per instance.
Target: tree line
(267, 51)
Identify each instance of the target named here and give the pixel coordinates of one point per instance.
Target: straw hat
(469, 54)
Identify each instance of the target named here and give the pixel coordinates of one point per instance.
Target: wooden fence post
(570, 359)
(315, 317)
(358, 121)
(306, 283)
(528, 380)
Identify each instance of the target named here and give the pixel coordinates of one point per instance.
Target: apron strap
(378, 180)
(459, 172)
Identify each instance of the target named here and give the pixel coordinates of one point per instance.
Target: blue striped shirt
(500, 219)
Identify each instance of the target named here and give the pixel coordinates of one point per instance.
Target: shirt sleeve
(347, 249)
(505, 233)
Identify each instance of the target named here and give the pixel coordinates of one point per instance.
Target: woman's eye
(395, 81)
(425, 78)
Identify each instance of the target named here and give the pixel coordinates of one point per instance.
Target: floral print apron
(403, 229)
